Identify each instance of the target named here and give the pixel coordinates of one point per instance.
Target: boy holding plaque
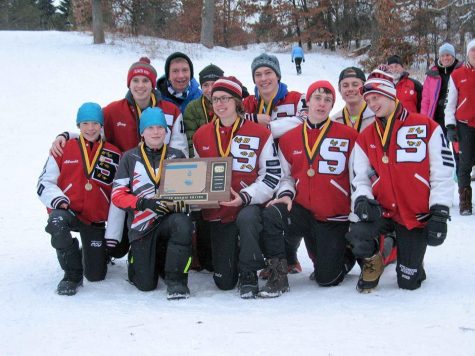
(403, 181)
(76, 189)
(313, 199)
(235, 227)
(154, 226)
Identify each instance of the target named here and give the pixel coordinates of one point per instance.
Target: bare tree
(97, 22)
(207, 23)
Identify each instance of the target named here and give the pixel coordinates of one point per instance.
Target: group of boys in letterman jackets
(341, 184)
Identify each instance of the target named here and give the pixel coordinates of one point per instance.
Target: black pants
(324, 240)
(203, 240)
(298, 62)
(167, 248)
(466, 137)
(236, 247)
(60, 224)
(411, 248)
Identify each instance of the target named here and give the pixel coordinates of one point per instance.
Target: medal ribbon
(88, 164)
(386, 135)
(203, 105)
(359, 120)
(151, 172)
(154, 103)
(266, 110)
(311, 152)
(218, 137)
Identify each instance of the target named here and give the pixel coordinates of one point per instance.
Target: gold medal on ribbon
(89, 164)
(218, 138)
(385, 135)
(311, 152)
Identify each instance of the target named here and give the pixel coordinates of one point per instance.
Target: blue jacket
(193, 92)
(297, 52)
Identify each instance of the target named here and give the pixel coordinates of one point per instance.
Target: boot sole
(264, 294)
(177, 296)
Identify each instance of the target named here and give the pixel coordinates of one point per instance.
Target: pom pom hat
(230, 85)
(142, 67)
(379, 82)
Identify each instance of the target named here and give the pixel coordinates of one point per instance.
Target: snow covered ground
(45, 77)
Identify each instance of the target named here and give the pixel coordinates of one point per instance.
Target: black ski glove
(158, 206)
(362, 238)
(452, 133)
(182, 207)
(367, 209)
(436, 227)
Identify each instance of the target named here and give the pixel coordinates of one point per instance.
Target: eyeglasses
(222, 99)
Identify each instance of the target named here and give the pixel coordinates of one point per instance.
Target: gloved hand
(452, 133)
(436, 227)
(182, 207)
(362, 238)
(111, 243)
(158, 206)
(367, 209)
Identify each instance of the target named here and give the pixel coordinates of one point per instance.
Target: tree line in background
(412, 28)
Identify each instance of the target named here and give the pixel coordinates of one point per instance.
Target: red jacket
(121, 125)
(409, 93)
(461, 96)
(64, 180)
(327, 193)
(418, 172)
(256, 167)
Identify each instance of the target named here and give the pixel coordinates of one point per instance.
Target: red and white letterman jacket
(256, 167)
(63, 180)
(327, 193)
(418, 172)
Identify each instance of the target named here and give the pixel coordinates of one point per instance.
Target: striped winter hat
(142, 67)
(230, 85)
(379, 82)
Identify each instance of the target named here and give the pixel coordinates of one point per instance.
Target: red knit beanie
(320, 84)
(230, 85)
(142, 67)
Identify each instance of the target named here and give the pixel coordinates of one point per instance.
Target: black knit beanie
(175, 56)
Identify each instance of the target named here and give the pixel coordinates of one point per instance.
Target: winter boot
(465, 195)
(371, 271)
(248, 285)
(70, 260)
(177, 286)
(277, 283)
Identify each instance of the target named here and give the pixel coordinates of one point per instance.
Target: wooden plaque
(200, 182)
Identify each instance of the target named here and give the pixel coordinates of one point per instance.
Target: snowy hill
(45, 77)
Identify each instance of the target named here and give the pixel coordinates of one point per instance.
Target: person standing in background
(298, 57)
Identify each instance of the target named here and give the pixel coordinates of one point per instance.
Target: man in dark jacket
(178, 85)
